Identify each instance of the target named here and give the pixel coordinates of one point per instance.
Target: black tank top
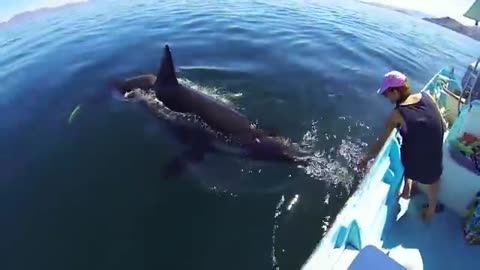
(422, 136)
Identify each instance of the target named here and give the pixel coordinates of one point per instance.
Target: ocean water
(89, 194)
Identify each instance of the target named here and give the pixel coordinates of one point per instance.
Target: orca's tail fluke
(166, 73)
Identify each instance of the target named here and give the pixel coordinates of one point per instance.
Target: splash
(282, 209)
(293, 202)
(217, 93)
(323, 167)
(212, 91)
(351, 152)
(337, 165)
(325, 224)
(276, 216)
(74, 114)
(149, 99)
(310, 137)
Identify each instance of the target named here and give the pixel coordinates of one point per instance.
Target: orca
(201, 139)
(216, 113)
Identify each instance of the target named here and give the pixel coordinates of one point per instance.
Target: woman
(422, 127)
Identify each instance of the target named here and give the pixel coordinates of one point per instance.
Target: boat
(378, 230)
(474, 12)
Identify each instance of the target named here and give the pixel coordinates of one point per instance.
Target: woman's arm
(392, 122)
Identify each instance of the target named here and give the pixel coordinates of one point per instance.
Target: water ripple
(307, 70)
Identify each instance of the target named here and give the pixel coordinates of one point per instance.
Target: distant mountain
(410, 12)
(447, 22)
(20, 17)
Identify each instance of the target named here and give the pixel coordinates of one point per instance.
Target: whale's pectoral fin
(176, 166)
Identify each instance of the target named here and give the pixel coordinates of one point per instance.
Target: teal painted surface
(349, 236)
(439, 242)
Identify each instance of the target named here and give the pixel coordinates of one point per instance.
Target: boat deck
(436, 245)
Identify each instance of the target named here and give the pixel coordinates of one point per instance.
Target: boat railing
(368, 212)
(446, 90)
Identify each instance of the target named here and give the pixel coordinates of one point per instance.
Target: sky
(436, 8)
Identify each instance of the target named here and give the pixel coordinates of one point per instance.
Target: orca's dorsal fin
(166, 73)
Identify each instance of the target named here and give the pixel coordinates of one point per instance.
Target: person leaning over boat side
(422, 128)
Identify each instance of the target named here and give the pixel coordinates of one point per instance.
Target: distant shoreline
(26, 15)
(411, 12)
(447, 22)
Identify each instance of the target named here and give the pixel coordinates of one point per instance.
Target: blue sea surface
(89, 194)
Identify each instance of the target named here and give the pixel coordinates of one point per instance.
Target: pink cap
(392, 79)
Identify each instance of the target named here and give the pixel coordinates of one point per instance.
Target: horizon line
(50, 7)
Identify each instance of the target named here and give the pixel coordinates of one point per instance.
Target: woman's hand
(362, 164)
(394, 120)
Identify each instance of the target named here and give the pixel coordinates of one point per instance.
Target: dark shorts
(423, 179)
(422, 169)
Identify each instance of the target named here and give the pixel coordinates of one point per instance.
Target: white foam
(293, 202)
(327, 166)
(212, 91)
(277, 214)
(310, 137)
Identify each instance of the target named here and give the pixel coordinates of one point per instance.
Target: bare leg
(432, 194)
(407, 188)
